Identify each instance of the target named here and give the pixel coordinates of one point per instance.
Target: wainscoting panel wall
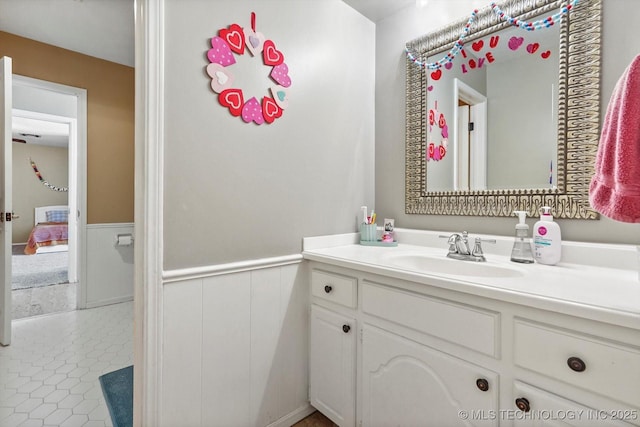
(235, 348)
(109, 266)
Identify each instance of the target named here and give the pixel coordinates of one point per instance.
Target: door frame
(148, 250)
(77, 167)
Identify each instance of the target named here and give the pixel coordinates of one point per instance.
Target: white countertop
(586, 289)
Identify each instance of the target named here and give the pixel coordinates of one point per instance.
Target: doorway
(49, 169)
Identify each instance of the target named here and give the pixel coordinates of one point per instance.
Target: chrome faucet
(459, 247)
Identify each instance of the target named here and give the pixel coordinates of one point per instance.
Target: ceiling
(375, 10)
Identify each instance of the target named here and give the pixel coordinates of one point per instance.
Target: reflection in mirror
(504, 81)
(512, 122)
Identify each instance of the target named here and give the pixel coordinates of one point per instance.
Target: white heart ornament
(254, 41)
(280, 94)
(221, 78)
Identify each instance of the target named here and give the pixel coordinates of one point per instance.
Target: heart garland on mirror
(232, 41)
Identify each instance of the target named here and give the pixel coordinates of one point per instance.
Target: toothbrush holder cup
(368, 232)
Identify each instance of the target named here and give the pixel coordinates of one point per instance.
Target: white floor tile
(49, 374)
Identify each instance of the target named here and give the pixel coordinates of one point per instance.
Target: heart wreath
(233, 40)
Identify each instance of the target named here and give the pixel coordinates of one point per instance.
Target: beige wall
(110, 117)
(28, 191)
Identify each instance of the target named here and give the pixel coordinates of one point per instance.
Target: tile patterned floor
(49, 374)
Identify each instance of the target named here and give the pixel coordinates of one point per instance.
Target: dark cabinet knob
(328, 288)
(576, 364)
(482, 384)
(523, 404)
(346, 328)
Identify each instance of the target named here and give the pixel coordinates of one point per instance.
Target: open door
(5, 200)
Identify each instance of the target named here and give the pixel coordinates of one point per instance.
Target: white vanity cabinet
(332, 376)
(405, 383)
(418, 354)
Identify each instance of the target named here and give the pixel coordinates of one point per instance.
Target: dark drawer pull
(346, 328)
(328, 288)
(482, 384)
(576, 364)
(523, 404)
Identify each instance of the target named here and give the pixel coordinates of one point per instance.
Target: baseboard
(100, 303)
(293, 417)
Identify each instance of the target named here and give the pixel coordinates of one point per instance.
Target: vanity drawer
(334, 287)
(598, 365)
(467, 326)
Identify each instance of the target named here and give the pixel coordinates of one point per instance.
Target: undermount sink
(443, 265)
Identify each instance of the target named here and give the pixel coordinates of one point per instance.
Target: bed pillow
(57, 216)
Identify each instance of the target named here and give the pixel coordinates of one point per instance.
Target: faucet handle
(477, 248)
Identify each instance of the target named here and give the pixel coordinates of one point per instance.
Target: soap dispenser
(521, 251)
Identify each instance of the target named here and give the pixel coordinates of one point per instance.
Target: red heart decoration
(430, 150)
(477, 46)
(234, 36)
(270, 109)
(436, 74)
(546, 54)
(443, 151)
(533, 47)
(271, 55)
(233, 99)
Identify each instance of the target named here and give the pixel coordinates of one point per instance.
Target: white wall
(619, 46)
(236, 349)
(109, 266)
(235, 191)
(235, 342)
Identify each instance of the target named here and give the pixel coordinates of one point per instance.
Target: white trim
(111, 225)
(293, 417)
(94, 304)
(149, 147)
(171, 276)
(478, 114)
(77, 170)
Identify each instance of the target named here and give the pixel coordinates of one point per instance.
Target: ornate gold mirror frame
(578, 117)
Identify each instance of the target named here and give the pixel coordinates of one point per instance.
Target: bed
(50, 231)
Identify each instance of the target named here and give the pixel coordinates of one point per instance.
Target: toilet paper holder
(124, 239)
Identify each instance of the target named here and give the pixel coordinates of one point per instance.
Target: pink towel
(615, 187)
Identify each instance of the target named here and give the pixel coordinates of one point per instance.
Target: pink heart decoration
(221, 78)
(234, 36)
(280, 74)
(533, 47)
(430, 88)
(448, 65)
(220, 53)
(515, 42)
(254, 41)
(252, 112)
(271, 55)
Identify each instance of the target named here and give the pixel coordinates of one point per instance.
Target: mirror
(533, 98)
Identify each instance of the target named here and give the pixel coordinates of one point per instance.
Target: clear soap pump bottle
(521, 251)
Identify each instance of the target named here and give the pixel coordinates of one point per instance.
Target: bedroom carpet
(33, 271)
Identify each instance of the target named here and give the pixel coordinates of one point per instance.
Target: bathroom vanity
(405, 336)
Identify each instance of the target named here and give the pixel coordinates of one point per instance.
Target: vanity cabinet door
(405, 383)
(332, 365)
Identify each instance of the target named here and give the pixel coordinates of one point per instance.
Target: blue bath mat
(117, 387)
